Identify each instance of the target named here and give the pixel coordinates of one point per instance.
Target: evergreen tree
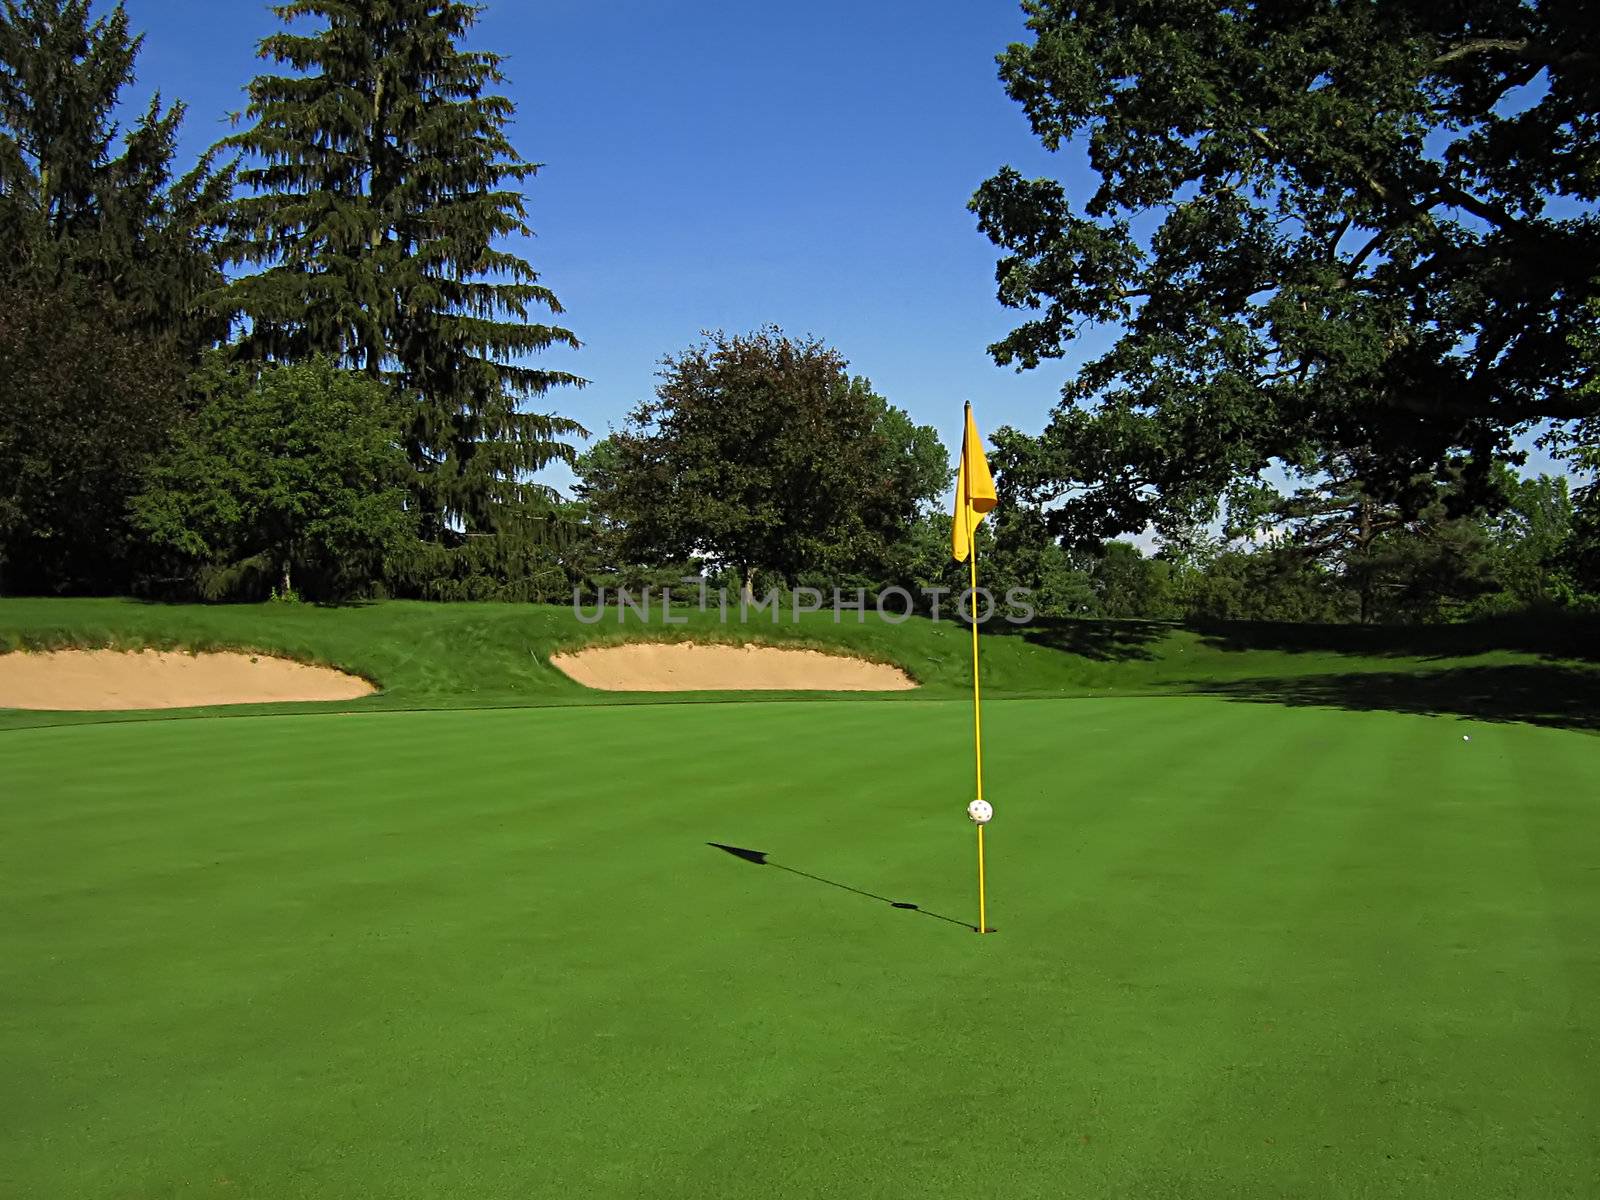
(1266, 583)
(1127, 584)
(1579, 444)
(83, 406)
(382, 185)
(1415, 557)
(76, 205)
(103, 258)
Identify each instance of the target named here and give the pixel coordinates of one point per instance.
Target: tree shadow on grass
(1550, 635)
(1100, 640)
(760, 858)
(1556, 696)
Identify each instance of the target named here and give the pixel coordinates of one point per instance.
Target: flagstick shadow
(760, 859)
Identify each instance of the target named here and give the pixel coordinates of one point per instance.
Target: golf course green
(1278, 912)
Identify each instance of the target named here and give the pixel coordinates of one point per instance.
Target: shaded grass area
(1545, 694)
(430, 656)
(1549, 636)
(1242, 951)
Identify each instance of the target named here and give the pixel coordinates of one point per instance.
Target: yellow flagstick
(977, 702)
(983, 926)
(975, 498)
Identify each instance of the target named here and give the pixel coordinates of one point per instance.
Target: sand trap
(108, 680)
(687, 667)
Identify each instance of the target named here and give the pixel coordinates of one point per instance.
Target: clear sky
(719, 165)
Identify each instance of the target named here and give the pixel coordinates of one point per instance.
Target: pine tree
(103, 260)
(383, 184)
(77, 207)
(1412, 557)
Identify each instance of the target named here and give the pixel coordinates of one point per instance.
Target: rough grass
(453, 656)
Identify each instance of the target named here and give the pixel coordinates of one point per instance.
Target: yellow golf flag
(975, 496)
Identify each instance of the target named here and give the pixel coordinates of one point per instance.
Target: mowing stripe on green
(1243, 950)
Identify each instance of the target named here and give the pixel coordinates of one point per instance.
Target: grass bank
(431, 656)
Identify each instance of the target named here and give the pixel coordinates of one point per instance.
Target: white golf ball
(981, 811)
(1466, 737)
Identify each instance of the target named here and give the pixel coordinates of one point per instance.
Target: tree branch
(1545, 56)
(1366, 251)
(1479, 208)
(1480, 46)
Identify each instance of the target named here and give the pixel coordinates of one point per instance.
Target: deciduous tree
(1318, 228)
(288, 478)
(761, 453)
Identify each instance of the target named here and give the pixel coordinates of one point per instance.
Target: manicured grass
(1243, 950)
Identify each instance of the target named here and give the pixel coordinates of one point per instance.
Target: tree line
(1351, 253)
(300, 365)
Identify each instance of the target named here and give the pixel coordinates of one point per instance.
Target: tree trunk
(376, 147)
(747, 590)
(1365, 542)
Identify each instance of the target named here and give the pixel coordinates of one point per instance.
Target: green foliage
(602, 533)
(83, 405)
(913, 466)
(924, 568)
(761, 454)
(1331, 550)
(534, 565)
(1127, 584)
(76, 206)
(1579, 443)
(291, 478)
(1437, 571)
(1025, 556)
(1415, 557)
(102, 257)
(382, 185)
(1014, 553)
(1353, 244)
(1267, 584)
(1529, 546)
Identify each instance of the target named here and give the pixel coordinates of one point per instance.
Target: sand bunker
(687, 667)
(107, 680)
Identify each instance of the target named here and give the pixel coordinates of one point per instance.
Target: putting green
(1243, 950)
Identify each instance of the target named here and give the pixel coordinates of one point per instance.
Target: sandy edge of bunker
(128, 681)
(703, 667)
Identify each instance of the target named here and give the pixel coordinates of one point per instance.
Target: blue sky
(725, 165)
